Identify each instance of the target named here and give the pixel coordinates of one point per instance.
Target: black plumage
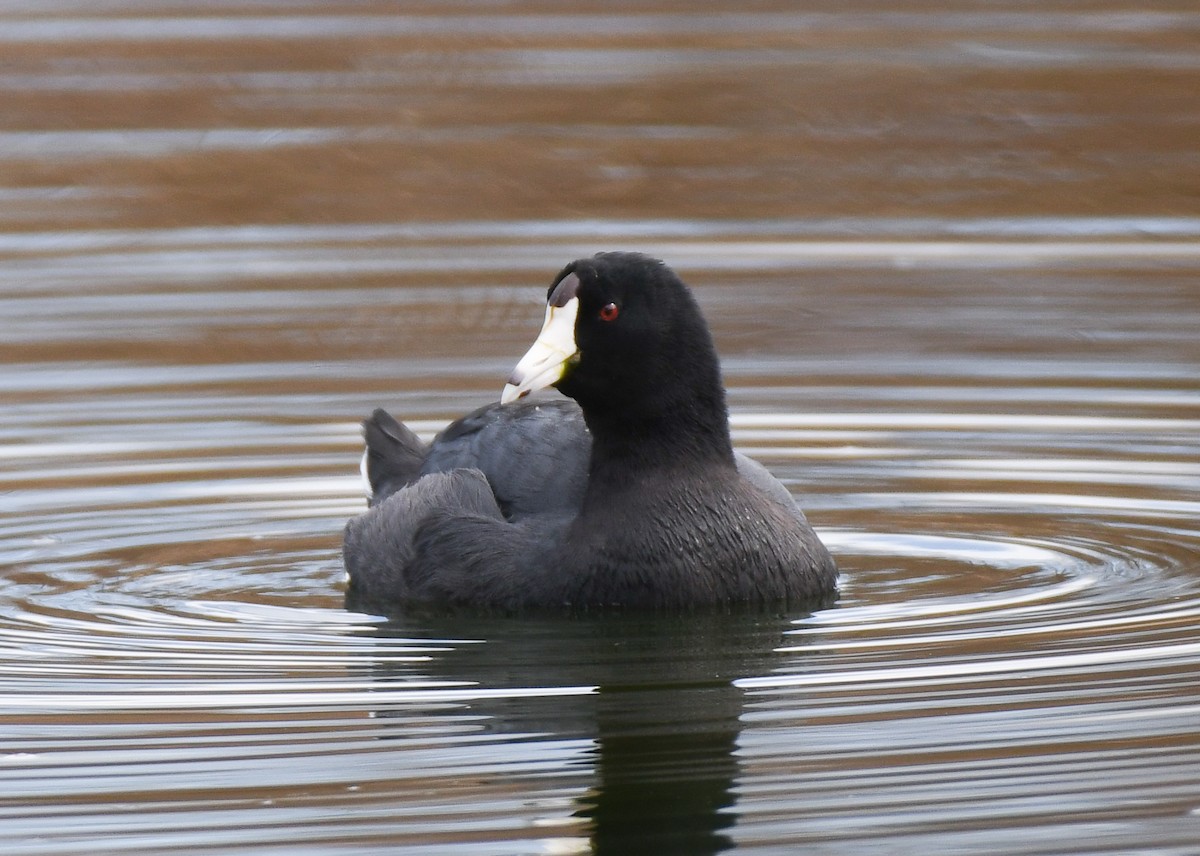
(631, 495)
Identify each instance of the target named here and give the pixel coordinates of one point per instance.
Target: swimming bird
(626, 492)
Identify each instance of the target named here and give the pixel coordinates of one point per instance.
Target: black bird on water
(627, 493)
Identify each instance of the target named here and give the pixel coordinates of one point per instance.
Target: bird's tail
(393, 456)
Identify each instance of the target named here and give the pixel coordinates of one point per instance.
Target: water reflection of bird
(630, 496)
(662, 723)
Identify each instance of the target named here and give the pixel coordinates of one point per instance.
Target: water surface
(950, 255)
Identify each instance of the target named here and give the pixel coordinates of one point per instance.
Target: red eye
(609, 312)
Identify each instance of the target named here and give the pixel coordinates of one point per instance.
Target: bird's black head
(625, 338)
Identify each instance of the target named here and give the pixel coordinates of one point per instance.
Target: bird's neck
(692, 436)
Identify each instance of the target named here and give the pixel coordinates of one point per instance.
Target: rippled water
(951, 257)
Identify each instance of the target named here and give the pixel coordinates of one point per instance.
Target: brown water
(951, 254)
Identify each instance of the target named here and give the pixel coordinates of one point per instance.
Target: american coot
(630, 495)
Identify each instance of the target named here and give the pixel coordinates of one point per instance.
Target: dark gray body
(496, 513)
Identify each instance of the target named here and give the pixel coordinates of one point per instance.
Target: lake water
(950, 252)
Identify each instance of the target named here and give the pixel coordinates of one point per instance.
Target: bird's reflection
(664, 718)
